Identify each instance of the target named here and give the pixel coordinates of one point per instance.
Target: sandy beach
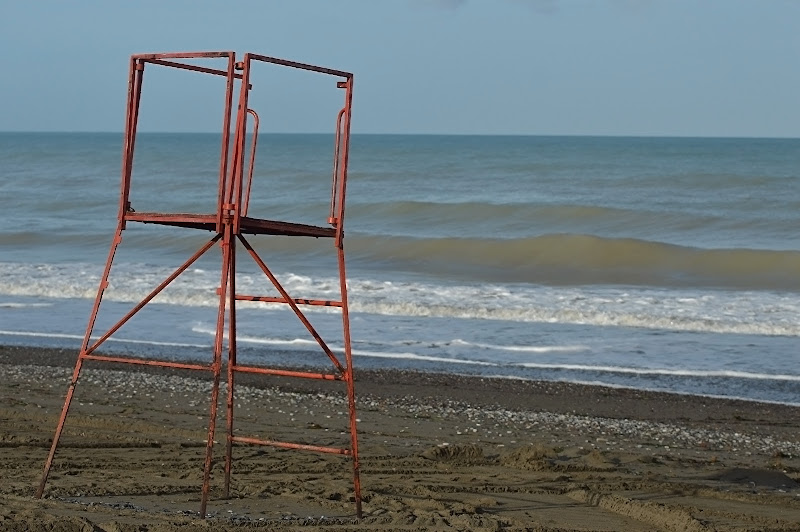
(438, 452)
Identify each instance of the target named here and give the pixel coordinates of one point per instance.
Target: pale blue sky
(552, 67)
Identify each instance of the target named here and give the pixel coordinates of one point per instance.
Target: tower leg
(231, 366)
(60, 427)
(351, 395)
(216, 365)
(79, 363)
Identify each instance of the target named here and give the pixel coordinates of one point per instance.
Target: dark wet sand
(438, 452)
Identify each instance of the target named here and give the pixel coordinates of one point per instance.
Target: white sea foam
(761, 313)
(36, 334)
(666, 372)
(259, 340)
(10, 304)
(423, 358)
(338, 349)
(525, 348)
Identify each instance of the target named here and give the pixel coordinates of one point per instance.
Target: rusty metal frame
(229, 223)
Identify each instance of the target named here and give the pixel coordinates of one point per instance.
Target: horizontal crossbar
(146, 362)
(271, 299)
(288, 445)
(248, 225)
(287, 373)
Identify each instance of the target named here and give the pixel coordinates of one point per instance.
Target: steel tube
(290, 445)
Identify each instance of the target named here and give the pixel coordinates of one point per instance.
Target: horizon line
(566, 135)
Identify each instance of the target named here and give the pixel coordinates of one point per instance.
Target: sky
(529, 67)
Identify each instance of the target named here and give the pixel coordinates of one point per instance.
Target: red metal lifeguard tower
(231, 227)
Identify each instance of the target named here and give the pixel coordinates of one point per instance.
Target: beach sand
(438, 452)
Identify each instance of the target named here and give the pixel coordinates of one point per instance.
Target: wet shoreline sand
(437, 452)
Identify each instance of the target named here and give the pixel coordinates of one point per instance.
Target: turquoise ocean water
(655, 263)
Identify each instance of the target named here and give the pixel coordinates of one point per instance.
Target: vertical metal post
(231, 366)
(226, 126)
(348, 353)
(131, 124)
(217, 362)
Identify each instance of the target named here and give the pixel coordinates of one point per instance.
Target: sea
(669, 264)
